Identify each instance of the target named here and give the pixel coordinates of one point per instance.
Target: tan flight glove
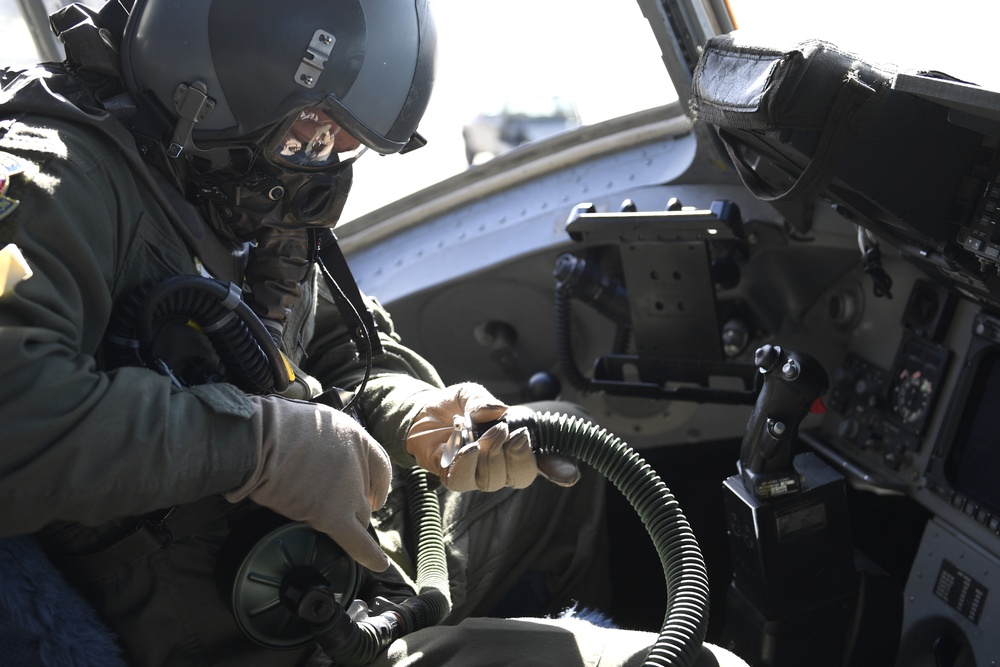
(318, 465)
(500, 458)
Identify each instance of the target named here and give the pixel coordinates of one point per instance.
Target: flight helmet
(264, 105)
(276, 72)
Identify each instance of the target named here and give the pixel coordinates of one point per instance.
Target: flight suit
(119, 471)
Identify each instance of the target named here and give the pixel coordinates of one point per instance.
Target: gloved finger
(491, 469)
(345, 518)
(353, 538)
(480, 465)
(558, 469)
(379, 476)
(427, 447)
(461, 474)
(479, 404)
(519, 459)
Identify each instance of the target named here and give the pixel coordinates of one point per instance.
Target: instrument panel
(925, 428)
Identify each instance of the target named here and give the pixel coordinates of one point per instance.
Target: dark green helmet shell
(259, 62)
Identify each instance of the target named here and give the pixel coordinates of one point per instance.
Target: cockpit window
(592, 60)
(518, 71)
(580, 62)
(522, 70)
(551, 64)
(947, 37)
(17, 48)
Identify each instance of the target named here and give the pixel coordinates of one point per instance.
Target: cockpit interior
(813, 375)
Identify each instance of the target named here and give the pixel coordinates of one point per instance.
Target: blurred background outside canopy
(593, 60)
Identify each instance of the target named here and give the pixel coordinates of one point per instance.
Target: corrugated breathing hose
(685, 621)
(248, 351)
(243, 343)
(433, 584)
(355, 643)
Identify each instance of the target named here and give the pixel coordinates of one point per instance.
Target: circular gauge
(911, 397)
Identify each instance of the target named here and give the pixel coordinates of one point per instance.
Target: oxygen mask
(297, 177)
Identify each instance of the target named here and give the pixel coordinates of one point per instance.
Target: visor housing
(310, 140)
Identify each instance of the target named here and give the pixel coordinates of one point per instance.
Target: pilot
(161, 149)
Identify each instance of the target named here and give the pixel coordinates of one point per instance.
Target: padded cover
(824, 122)
(813, 86)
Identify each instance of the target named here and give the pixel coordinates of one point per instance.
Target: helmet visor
(310, 140)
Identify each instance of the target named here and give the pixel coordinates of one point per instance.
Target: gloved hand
(500, 458)
(318, 465)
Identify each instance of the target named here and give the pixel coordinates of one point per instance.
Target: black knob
(543, 386)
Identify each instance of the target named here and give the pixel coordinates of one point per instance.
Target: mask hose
(352, 643)
(244, 345)
(685, 621)
(432, 566)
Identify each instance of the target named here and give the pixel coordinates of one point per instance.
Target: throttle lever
(792, 383)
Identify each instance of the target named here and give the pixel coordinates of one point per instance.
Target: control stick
(792, 385)
(795, 586)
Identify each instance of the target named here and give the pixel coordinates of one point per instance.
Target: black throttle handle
(792, 384)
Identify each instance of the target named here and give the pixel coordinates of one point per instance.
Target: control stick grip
(792, 383)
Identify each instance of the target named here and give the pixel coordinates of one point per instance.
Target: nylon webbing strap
(346, 294)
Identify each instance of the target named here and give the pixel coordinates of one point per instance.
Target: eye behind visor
(310, 140)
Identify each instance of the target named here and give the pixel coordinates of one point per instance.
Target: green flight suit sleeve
(391, 397)
(77, 443)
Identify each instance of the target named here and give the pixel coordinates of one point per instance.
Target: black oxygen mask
(271, 198)
(296, 176)
(271, 195)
